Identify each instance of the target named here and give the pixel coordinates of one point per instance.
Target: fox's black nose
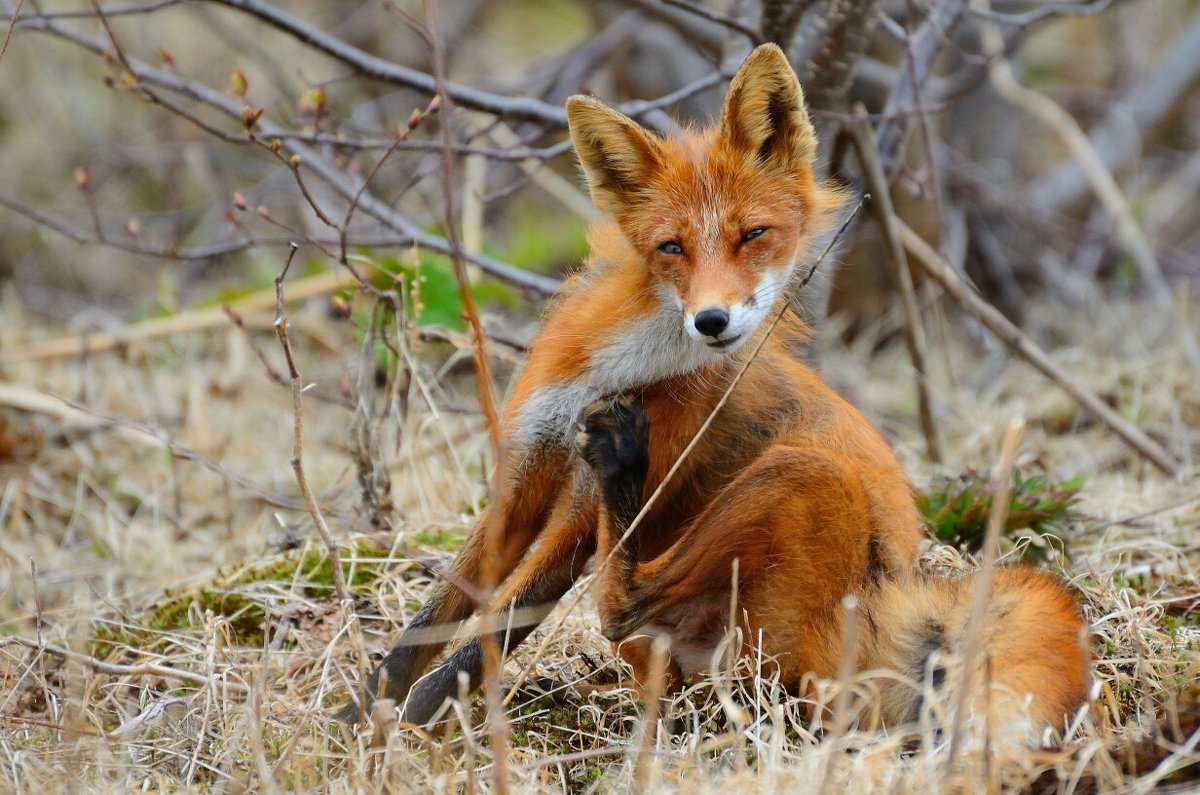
(711, 322)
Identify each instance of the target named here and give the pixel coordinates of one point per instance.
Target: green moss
(234, 597)
(438, 538)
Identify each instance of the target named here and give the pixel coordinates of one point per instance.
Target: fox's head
(719, 217)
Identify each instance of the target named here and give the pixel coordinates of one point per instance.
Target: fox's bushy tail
(1031, 665)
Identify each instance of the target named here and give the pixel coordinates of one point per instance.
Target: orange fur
(790, 480)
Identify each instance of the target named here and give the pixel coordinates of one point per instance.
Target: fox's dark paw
(614, 438)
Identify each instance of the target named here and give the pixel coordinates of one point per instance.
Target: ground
(169, 614)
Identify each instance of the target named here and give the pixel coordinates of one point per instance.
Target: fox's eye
(671, 247)
(756, 232)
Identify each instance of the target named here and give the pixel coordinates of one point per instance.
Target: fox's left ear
(764, 112)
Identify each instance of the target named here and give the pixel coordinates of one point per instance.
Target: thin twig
(414, 121)
(122, 11)
(493, 658)
(1001, 487)
(922, 50)
(116, 669)
(937, 268)
(310, 501)
(724, 20)
(172, 251)
(483, 376)
(372, 66)
(12, 23)
(336, 177)
(914, 336)
(1045, 11)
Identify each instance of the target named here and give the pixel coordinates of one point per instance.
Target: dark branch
(736, 25)
(1044, 12)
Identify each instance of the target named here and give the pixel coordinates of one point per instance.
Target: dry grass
(204, 562)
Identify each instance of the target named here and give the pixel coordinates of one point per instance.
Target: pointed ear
(764, 113)
(618, 156)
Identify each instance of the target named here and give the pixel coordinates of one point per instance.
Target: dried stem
(493, 659)
(194, 320)
(310, 501)
(660, 649)
(115, 669)
(1001, 488)
(842, 701)
(914, 332)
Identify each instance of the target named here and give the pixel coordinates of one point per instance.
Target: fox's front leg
(614, 441)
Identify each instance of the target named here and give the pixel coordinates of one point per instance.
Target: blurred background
(162, 159)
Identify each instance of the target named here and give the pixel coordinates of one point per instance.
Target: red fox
(703, 232)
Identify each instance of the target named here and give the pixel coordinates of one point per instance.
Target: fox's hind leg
(550, 569)
(797, 522)
(529, 485)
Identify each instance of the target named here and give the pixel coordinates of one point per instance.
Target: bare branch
(937, 268)
(172, 251)
(372, 66)
(491, 152)
(342, 182)
(1134, 114)
(12, 23)
(380, 69)
(413, 123)
(914, 336)
(1129, 232)
(923, 50)
(1042, 13)
(120, 11)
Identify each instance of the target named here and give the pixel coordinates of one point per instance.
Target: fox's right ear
(618, 156)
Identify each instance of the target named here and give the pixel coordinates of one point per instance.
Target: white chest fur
(647, 350)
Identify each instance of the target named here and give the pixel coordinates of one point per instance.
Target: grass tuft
(956, 509)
